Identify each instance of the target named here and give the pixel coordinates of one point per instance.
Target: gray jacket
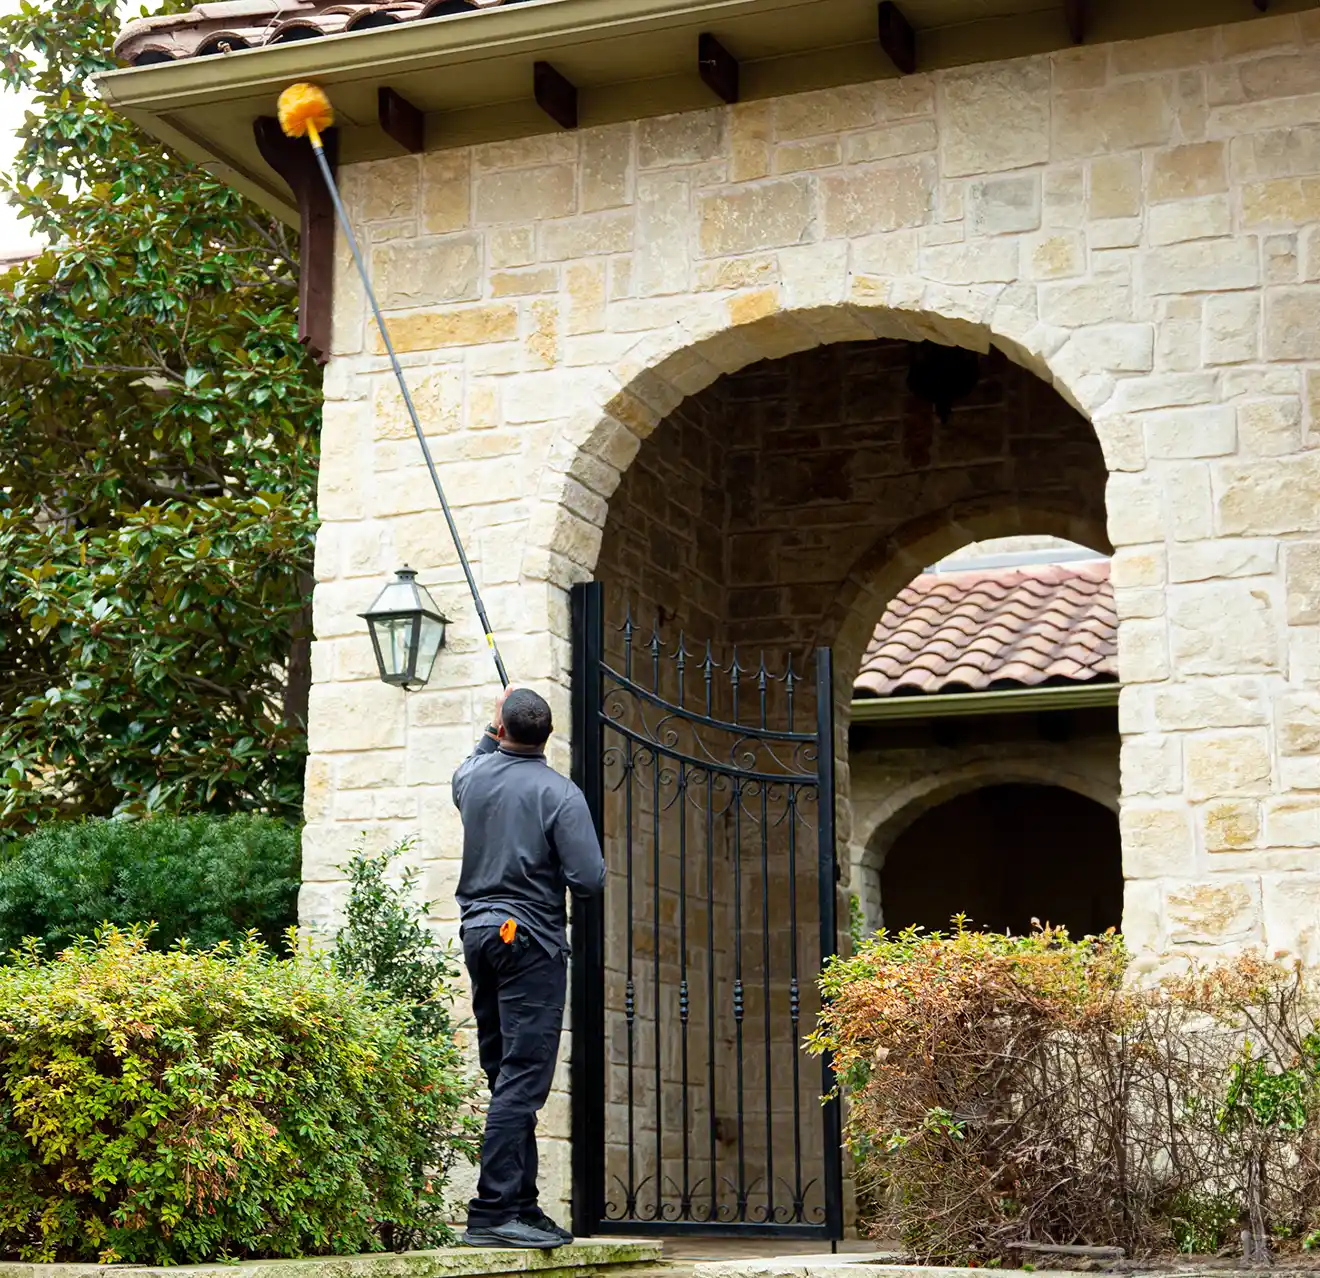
(527, 835)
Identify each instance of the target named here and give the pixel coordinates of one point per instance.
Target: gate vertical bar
(588, 1043)
(829, 938)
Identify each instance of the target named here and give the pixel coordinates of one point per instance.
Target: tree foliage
(158, 436)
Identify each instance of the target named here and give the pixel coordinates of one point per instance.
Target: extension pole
(312, 113)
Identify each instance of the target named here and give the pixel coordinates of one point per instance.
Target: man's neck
(514, 747)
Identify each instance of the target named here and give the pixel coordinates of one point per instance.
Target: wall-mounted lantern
(407, 631)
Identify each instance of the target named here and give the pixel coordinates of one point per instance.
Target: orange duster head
(305, 110)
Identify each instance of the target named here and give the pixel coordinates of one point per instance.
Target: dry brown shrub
(1005, 1089)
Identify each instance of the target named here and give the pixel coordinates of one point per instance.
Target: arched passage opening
(767, 516)
(1007, 856)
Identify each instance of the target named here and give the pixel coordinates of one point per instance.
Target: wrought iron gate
(695, 1109)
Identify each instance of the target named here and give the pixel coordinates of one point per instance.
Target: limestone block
(1281, 258)
(1056, 256)
(884, 198)
(1184, 172)
(606, 167)
(1194, 704)
(384, 191)
(1143, 651)
(1291, 905)
(453, 326)
(1135, 510)
(1292, 323)
(1151, 765)
(527, 195)
(1178, 334)
(1222, 627)
(801, 157)
(1157, 841)
(751, 127)
(974, 106)
(1131, 569)
(689, 138)
(972, 263)
(1088, 302)
(1185, 220)
(355, 716)
(1122, 441)
(446, 184)
(891, 141)
(1063, 191)
(1120, 117)
(1116, 233)
(437, 394)
(343, 480)
(1115, 182)
(1270, 428)
(770, 215)
(999, 206)
(511, 246)
(1293, 822)
(1298, 723)
(1232, 328)
(1282, 202)
(1223, 764)
(587, 236)
(1217, 911)
(1203, 266)
(1276, 153)
(1230, 825)
(1208, 560)
(826, 111)
(1260, 498)
(1302, 575)
(1191, 432)
(1143, 916)
(662, 255)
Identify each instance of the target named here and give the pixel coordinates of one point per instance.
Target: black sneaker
(539, 1220)
(513, 1233)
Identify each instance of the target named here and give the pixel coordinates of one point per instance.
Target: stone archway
(997, 853)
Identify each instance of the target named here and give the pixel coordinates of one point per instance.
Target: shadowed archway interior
(1006, 856)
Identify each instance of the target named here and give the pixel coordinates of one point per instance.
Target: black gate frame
(588, 946)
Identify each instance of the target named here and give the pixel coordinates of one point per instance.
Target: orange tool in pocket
(508, 930)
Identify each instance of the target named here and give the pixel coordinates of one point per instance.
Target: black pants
(518, 998)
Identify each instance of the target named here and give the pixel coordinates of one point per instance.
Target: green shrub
(386, 944)
(208, 879)
(188, 1106)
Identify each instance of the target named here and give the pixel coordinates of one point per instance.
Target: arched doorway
(1007, 856)
(750, 531)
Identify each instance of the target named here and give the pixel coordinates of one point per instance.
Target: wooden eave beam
(1077, 13)
(400, 120)
(555, 95)
(293, 160)
(897, 38)
(717, 67)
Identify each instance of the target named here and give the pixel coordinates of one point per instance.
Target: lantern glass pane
(398, 596)
(395, 636)
(432, 636)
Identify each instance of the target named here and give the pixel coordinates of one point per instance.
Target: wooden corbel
(400, 120)
(555, 94)
(717, 67)
(897, 38)
(293, 160)
(1077, 13)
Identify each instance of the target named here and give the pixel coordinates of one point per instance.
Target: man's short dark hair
(527, 719)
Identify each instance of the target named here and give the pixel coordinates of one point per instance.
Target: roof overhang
(471, 74)
(949, 705)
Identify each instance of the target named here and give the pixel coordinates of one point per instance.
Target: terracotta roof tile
(220, 26)
(994, 627)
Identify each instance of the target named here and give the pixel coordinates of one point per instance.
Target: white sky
(14, 235)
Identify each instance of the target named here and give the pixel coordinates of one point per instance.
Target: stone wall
(1133, 223)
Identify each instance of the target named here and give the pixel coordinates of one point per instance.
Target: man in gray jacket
(527, 835)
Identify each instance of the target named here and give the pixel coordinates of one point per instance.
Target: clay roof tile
(995, 627)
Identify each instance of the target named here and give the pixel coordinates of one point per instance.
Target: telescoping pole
(305, 111)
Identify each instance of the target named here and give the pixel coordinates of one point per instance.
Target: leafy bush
(386, 944)
(187, 1106)
(1006, 1089)
(203, 878)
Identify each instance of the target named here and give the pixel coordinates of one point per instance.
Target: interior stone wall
(1133, 223)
